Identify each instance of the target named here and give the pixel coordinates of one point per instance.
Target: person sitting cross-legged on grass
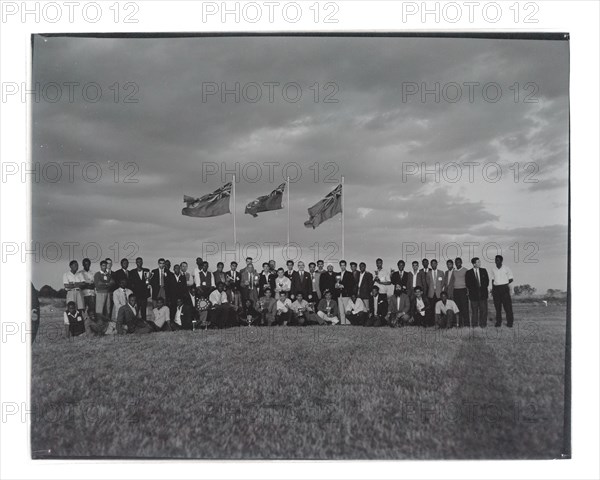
(129, 319)
(222, 314)
(184, 316)
(160, 317)
(284, 309)
(419, 308)
(267, 307)
(96, 323)
(303, 313)
(399, 308)
(356, 312)
(249, 315)
(328, 310)
(73, 320)
(446, 312)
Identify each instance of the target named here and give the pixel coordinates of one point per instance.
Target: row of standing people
(103, 293)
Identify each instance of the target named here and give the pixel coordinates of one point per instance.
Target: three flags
(217, 203)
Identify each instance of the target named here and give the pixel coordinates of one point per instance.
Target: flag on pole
(210, 205)
(266, 203)
(324, 209)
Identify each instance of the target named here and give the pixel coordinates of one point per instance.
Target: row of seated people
(219, 312)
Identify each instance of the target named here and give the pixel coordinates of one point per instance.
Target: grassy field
(314, 392)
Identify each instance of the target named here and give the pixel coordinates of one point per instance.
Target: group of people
(117, 301)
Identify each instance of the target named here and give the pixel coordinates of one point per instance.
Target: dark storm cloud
(170, 133)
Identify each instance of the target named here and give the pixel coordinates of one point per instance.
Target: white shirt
(87, 277)
(72, 277)
(196, 276)
(177, 318)
(285, 305)
(414, 277)
(218, 298)
(360, 277)
(441, 308)
(283, 284)
(501, 275)
(161, 316)
(298, 305)
(355, 307)
(421, 306)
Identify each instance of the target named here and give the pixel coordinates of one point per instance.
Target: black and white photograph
(301, 247)
(312, 239)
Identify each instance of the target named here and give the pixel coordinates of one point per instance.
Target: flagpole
(288, 211)
(234, 231)
(343, 212)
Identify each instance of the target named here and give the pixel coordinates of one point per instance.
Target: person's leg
(483, 313)
(497, 298)
(35, 325)
(450, 319)
(405, 319)
(508, 308)
(143, 306)
(474, 313)
(462, 302)
(342, 309)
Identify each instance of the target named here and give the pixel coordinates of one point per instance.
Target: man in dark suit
(355, 273)
(123, 273)
(422, 279)
(364, 284)
(304, 282)
(128, 318)
(158, 282)
(266, 279)
(206, 284)
(294, 279)
(400, 278)
(327, 282)
(420, 309)
(233, 278)
(183, 316)
(348, 287)
(435, 283)
(412, 280)
(138, 283)
(477, 281)
(378, 308)
(180, 288)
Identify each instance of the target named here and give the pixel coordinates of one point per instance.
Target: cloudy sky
(370, 135)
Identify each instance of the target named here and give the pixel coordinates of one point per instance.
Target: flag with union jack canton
(210, 205)
(266, 203)
(324, 209)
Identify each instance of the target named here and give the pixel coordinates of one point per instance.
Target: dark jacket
(477, 292)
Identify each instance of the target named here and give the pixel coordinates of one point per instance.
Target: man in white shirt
(72, 281)
(284, 309)
(120, 298)
(356, 312)
(282, 284)
(302, 312)
(381, 278)
(88, 287)
(446, 312)
(502, 277)
(161, 316)
(222, 314)
(413, 278)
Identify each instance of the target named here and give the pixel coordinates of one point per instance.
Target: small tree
(524, 290)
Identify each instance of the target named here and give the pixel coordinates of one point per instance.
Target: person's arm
(509, 274)
(67, 332)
